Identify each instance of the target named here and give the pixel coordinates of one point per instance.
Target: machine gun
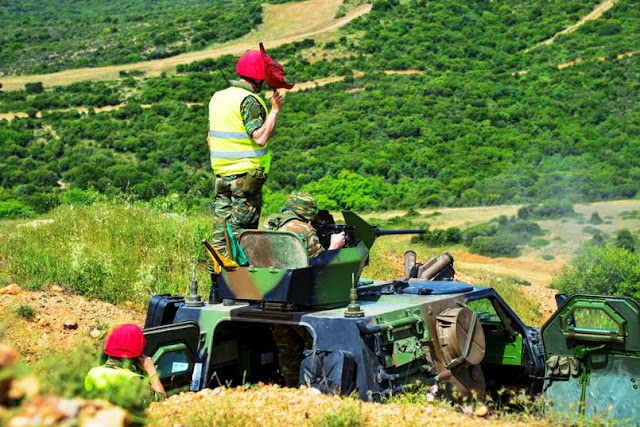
(356, 229)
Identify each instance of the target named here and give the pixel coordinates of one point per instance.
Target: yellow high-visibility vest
(103, 378)
(232, 150)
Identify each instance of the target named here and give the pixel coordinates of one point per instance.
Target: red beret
(125, 341)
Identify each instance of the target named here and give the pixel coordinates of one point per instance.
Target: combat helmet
(301, 204)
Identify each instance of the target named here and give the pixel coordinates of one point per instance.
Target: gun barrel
(380, 232)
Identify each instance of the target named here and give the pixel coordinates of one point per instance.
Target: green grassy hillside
(482, 121)
(39, 37)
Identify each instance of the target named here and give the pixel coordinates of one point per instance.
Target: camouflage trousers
(241, 211)
(291, 341)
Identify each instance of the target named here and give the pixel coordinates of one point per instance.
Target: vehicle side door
(592, 349)
(173, 349)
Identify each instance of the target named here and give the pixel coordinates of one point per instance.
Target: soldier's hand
(276, 101)
(337, 241)
(146, 363)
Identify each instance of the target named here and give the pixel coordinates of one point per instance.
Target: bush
(10, 209)
(502, 244)
(26, 312)
(36, 87)
(78, 197)
(625, 240)
(601, 271)
(547, 210)
(538, 243)
(591, 230)
(595, 219)
(439, 237)
(548, 257)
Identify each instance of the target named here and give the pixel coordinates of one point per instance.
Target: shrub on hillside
(501, 236)
(501, 244)
(602, 271)
(538, 243)
(10, 209)
(78, 197)
(625, 240)
(547, 210)
(439, 237)
(595, 219)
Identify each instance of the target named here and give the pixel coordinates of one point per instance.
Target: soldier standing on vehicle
(297, 213)
(239, 132)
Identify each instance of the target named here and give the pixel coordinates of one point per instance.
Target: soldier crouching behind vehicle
(296, 216)
(125, 366)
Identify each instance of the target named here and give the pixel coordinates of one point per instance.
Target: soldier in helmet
(125, 366)
(296, 216)
(239, 131)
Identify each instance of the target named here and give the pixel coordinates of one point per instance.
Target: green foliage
(499, 237)
(592, 230)
(439, 237)
(595, 219)
(466, 132)
(39, 38)
(538, 243)
(548, 257)
(78, 197)
(500, 244)
(34, 87)
(348, 190)
(601, 270)
(547, 210)
(26, 312)
(99, 249)
(630, 214)
(625, 240)
(10, 209)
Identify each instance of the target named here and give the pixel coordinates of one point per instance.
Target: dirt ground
(45, 332)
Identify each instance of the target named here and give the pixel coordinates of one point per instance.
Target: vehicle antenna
(224, 76)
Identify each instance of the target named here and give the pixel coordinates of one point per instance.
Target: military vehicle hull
(293, 321)
(395, 344)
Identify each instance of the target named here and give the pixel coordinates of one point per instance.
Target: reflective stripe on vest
(232, 150)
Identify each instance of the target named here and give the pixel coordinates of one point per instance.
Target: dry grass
(283, 23)
(276, 406)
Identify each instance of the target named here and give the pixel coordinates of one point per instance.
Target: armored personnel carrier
(290, 320)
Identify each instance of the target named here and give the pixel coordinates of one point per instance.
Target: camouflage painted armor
(241, 211)
(297, 211)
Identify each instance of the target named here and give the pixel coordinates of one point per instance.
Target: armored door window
(594, 320)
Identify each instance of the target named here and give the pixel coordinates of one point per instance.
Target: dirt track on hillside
(591, 16)
(283, 24)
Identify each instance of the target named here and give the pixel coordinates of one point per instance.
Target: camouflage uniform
(291, 341)
(240, 210)
(296, 215)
